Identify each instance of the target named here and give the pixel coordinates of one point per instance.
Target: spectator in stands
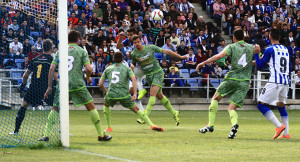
(174, 39)
(209, 6)
(160, 39)
(200, 56)
(14, 26)
(10, 36)
(297, 65)
(16, 49)
(100, 66)
(182, 49)
(251, 7)
(175, 82)
(86, 47)
(31, 55)
(91, 4)
(26, 47)
(144, 38)
(259, 18)
(80, 28)
(88, 13)
(246, 23)
(73, 19)
(218, 71)
(207, 70)
(39, 45)
(76, 11)
(190, 62)
(261, 7)
(204, 47)
(98, 38)
(200, 38)
(219, 9)
(185, 7)
(108, 15)
(185, 38)
(98, 11)
(297, 79)
(122, 4)
(81, 4)
(89, 30)
(200, 24)
(177, 23)
(109, 57)
(278, 14)
(284, 33)
(168, 46)
(190, 23)
(154, 31)
(147, 24)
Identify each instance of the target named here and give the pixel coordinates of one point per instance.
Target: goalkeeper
(39, 67)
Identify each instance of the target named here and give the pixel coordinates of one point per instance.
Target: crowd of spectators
(181, 30)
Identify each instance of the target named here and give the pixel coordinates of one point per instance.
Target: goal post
(63, 73)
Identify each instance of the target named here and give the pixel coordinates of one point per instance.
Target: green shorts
(125, 101)
(79, 97)
(156, 79)
(237, 89)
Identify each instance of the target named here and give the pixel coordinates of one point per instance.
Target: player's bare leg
(234, 120)
(167, 104)
(20, 117)
(96, 121)
(284, 119)
(145, 118)
(213, 108)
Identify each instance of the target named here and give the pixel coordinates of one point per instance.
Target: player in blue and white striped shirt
(275, 91)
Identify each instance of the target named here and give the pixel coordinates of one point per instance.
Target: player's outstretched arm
(212, 59)
(101, 85)
(120, 41)
(134, 84)
(261, 63)
(174, 54)
(50, 80)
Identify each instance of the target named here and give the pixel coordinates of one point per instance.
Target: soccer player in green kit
(144, 55)
(118, 76)
(236, 83)
(78, 92)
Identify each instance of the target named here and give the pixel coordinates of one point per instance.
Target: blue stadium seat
(158, 55)
(214, 82)
(185, 75)
(106, 83)
(193, 44)
(184, 70)
(221, 80)
(20, 81)
(192, 70)
(19, 63)
(199, 81)
(193, 83)
(94, 82)
(16, 74)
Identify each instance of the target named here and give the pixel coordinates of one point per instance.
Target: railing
(9, 101)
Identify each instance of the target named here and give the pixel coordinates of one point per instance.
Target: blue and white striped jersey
(279, 63)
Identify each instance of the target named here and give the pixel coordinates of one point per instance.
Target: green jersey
(78, 57)
(147, 59)
(118, 76)
(241, 54)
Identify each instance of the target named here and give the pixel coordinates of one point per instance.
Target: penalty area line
(100, 155)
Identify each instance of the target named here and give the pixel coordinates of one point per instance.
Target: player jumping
(78, 92)
(118, 91)
(276, 90)
(236, 82)
(144, 55)
(39, 67)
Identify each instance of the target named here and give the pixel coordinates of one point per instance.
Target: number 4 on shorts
(243, 60)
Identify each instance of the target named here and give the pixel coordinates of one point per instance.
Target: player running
(144, 55)
(236, 83)
(78, 93)
(139, 73)
(118, 76)
(39, 67)
(276, 90)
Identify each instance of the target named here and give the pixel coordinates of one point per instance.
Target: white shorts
(130, 84)
(138, 72)
(273, 93)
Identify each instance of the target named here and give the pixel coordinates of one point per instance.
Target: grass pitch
(137, 142)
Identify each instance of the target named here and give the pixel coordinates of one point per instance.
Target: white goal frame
(63, 73)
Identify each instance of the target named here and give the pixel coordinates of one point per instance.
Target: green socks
(52, 117)
(142, 115)
(150, 105)
(96, 121)
(213, 108)
(164, 101)
(233, 117)
(107, 115)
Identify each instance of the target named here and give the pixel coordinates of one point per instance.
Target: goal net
(24, 112)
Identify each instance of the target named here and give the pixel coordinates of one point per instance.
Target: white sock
(285, 121)
(139, 104)
(270, 115)
(139, 82)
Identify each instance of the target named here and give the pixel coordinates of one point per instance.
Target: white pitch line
(100, 155)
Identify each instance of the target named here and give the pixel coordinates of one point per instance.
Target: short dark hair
(132, 30)
(135, 37)
(239, 34)
(118, 57)
(47, 45)
(275, 34)
(73, 36)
